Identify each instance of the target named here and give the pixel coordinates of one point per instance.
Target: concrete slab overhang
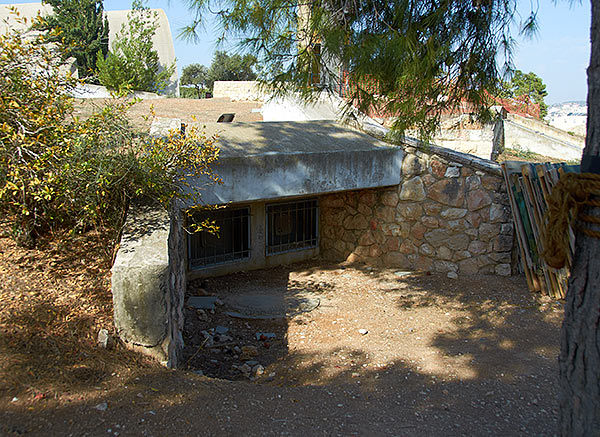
(261, 161)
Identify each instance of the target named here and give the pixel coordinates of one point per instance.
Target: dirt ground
(441, 357)
(187, 110)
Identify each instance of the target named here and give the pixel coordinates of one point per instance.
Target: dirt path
(474, 356)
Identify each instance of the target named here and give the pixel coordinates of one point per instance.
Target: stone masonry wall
(445, 216)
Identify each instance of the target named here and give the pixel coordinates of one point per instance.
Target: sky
(559, 53)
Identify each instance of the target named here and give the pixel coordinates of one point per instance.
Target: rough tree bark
(579, 359)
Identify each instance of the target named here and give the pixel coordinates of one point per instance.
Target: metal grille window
(231, 243)
(292, 226)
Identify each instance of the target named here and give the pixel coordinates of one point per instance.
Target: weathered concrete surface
(527, 134)
(237, 90)
(143, 281)
(261, 161)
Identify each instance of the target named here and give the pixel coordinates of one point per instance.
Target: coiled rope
(572, 193)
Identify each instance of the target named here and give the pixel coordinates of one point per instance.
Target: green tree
(60, 173)
(83, 29)
(132, 62)
(424, 56)
(526, 84)
(195, 75)
(231, 67)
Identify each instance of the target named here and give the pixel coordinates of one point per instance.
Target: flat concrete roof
(289, 137)
(272, 160)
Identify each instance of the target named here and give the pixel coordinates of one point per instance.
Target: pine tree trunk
(579, 359)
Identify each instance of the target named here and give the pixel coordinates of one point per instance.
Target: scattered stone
(221, 330)
(104, 339)
(237, 350)
(202, 315)
(245, 369)
(258, 370)
(102, 406)
(202, 302)
(15, 399)
(223, 338)
(252, 363)
(249, 351)
(402, 274)
(199, 372)
(355, 374)
(262, 336)
(452, 275)
(363, 331)
(218, 302)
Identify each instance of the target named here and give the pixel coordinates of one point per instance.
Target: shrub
(58, 172)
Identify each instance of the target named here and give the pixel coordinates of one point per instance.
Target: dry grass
(55, 299)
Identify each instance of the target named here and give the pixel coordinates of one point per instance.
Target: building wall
(444, 216)
(237, 90)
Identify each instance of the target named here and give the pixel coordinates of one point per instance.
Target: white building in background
(162, 40)
(569, 116)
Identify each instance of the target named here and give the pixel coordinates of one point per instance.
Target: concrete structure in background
(237, 90)
(162, 40)
(529, 134)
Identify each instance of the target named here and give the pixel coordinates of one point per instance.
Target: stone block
(506, 228)
(356, 222)
(430, 222)
(448, 192)
(503, 243)
(366, 239)
(462, 254)
(391, 244)
(438, 168)
(426, 249)
(498, 213)
(478, 199)
(422, 263)
(408, 210)
(469, 266)
(503, 270)
(501, 257)
(428, 179)
(418, 231)
(375, 251)
(452, 172)
(477, 247)
(445, 266)
(432, 208)
(396, 260)
(368, 198)
(458, 242)
(413, 189)
(488, 231)
(491, 183)
(389, 198)
(474, 218)
(349, 237)
(331, 201)
(436, 237)
(365, 210)
(453, 213)
(473, 182)
(444, 253)
(457, 225)
(385, 213)
(407, 247)
(412, 165)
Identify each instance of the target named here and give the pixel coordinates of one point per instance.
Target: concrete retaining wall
(526, 134)
(237, 90)
(148, 283)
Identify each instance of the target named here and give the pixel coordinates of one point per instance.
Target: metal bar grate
(229, 244)
(292, 226)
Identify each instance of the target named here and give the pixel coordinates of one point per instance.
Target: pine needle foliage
(421, 58)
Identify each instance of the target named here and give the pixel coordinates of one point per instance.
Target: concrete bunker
(295, 190)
